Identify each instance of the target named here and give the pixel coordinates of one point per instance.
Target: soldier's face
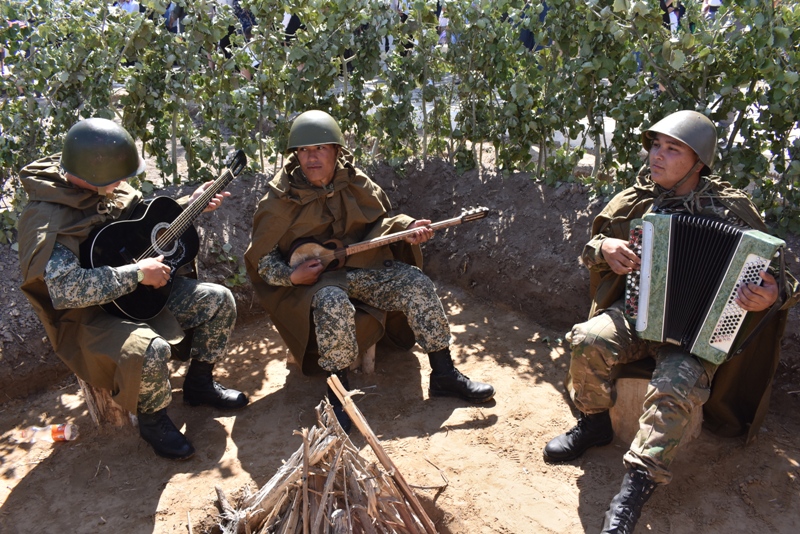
(670, 160)
(318, 163)
(83, 184)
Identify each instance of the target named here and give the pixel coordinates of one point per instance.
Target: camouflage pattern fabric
(155, 390)
(274, 270)
(71, 286)
(209, 309)
(398, 287)
(680, 383)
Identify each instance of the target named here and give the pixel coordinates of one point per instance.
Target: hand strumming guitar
(156, 273)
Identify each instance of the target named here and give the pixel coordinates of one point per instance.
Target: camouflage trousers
(680, 383)
(399, 287)
(208, 308)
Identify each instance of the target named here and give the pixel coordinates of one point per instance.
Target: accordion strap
(770, 313)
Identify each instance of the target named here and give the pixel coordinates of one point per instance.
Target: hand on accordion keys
(619, 255)
(755, 298)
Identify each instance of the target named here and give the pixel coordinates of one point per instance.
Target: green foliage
(237, 272)
(541, 110)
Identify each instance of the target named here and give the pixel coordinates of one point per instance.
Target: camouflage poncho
(352, 208)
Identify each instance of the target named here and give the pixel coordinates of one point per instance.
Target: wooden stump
(629, 407)
(365, 362)
(102, 408)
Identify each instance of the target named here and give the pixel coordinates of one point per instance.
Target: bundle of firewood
(327, 487)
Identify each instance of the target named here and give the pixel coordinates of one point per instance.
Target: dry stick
(358, 500)
(406, 516)
(356, 416)
(326, 490)
(305, 481)
(269, 521)
(315, 485)
(344, 492)
(224, 505)
(288, 474)
(290, 526)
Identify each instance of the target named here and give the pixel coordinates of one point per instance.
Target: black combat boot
(591, 431)
(447, 381)
(199, 387)
(336, 404)
(160, 432)
(626, 506)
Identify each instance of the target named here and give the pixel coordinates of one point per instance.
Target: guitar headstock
(474, 214)
(238, 162)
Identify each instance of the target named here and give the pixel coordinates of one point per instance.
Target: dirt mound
(511, 284)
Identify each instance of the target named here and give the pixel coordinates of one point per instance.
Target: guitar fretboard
(187, 217)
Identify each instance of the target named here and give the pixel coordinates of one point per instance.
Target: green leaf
(641, 9)
(677, 60)
(296, 54)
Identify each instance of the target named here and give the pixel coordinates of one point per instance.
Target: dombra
(333, 253)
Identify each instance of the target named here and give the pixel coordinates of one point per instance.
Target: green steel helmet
(690, 127)
(100, 152)
(314, 127)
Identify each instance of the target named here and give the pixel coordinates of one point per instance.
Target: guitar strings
(176, 229)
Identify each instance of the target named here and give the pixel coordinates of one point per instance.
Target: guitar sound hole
(161, 246)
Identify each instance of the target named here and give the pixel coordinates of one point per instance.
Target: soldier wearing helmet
(327, 316)
(677, 179)
(70, 195)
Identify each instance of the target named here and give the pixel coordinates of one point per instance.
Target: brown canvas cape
(101, 349)
(352, 208)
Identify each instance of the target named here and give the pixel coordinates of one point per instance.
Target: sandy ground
(484, 461)
(511, 284)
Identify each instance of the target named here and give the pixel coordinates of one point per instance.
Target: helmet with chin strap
(314, 127)
(100, 152)
(690, 127)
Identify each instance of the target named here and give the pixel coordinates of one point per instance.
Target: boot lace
(579, 428)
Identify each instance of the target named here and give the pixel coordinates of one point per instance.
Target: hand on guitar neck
(215, 201)
(308, 271)
(424, 232)
(156, 273)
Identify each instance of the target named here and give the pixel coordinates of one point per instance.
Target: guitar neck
(399, 236)
(187, 216)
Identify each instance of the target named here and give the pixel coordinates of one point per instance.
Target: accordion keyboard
(732, 315)
(633, 279)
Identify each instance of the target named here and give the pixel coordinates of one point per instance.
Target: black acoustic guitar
(333, 252)
(158, 227)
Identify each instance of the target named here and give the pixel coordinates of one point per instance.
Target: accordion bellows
(692, 267)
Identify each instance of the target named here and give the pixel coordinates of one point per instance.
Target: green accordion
(692, 267)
